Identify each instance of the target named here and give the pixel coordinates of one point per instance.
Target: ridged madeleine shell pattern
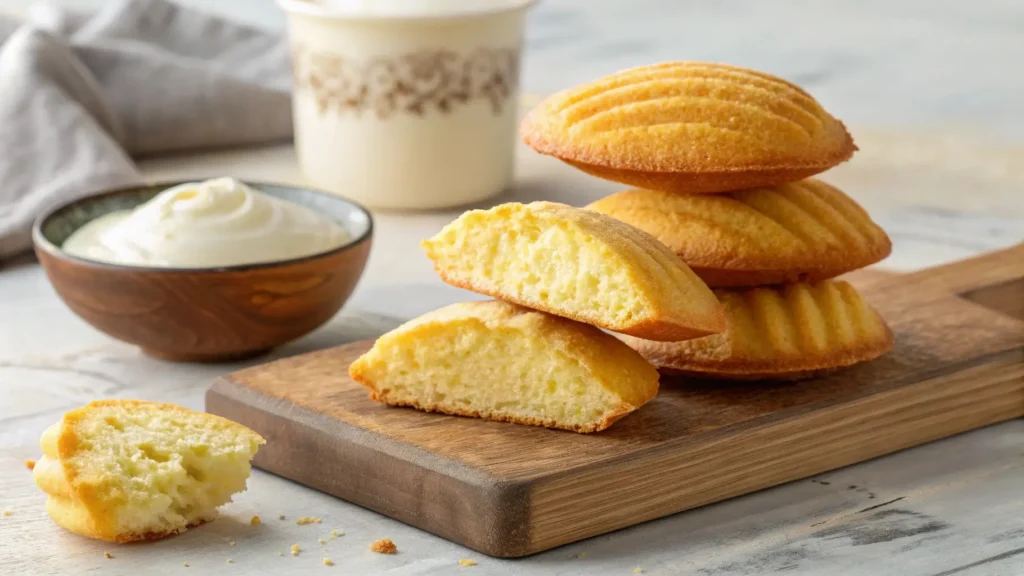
(805, 231)
(789, 332)
(689, 127)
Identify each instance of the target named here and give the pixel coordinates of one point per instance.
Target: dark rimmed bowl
(204, 314)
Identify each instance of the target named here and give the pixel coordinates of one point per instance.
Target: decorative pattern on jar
(418, 83)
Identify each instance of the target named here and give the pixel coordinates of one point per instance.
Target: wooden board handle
(988, 270)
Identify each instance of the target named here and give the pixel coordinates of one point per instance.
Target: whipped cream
(210, 224)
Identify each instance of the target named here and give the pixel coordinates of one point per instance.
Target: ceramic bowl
(204, 314)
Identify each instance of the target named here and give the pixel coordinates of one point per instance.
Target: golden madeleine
(778, 333)
(500, 361)
(577, 264)
(804, 231)
(689, 127)
(127, 470)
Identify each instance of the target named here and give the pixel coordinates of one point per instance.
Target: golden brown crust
(676, 305)
(77, 505)
(782, 333)
(604, 423)
(689, 127)
(630, 380)
(706, 182)
(803, 231)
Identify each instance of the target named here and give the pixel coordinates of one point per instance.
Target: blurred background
(931, 90)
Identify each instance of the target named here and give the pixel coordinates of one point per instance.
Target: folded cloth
(81, 96)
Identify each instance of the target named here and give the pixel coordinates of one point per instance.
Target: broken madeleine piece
(786, 332)
(499, 361)
(577, 264)
(689, 127)
(127, 470)
(804, 231)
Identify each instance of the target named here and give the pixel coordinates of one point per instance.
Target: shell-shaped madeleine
(577, 264)
(499, 361)
(805, 231)
(786, 332)
(689, 127)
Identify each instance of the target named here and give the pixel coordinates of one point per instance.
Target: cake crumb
(185, 564)
(638, 570)
(336, 533)
(230, 561)
(254, 521)
(384, 546)
(581, 554)
(308, 520)
(108, 555)
(30, 464)
(282, 517)
(7, 512)
(467, 562)
(231, 542)
(328, 562)
(295, 550)
(280, 553)
(321, 541)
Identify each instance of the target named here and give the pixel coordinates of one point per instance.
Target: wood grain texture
(513, 490)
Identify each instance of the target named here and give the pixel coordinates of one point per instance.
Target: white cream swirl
(209, 224)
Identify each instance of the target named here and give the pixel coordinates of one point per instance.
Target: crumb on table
(328, 562)
(30, 464)
(295, 550)
(308, 520)
(638, 570)
(336, 533)
(280, 553)
(254, 521)
(107, 555)
(7, 512)
(282, 517)
(321, 541)
(384, 546)
(185, 564)
(467, 562)
(231, 542)
(230, 561)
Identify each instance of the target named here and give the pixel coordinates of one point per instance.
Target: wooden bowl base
(204, 358)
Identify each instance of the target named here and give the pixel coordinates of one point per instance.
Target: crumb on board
(30, 464)
(467, 562)
(328, 562)
(108, 555)
(384, 546)
(295, 550)
(282, 517)
(254, 521)
(638, 570)
(308, 520)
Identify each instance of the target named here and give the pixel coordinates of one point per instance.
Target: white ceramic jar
(406, 104)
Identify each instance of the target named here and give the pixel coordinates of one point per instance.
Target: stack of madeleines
(721, 157)
(720, 154)
(537, 354)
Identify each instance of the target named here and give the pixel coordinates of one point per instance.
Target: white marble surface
(932, 93)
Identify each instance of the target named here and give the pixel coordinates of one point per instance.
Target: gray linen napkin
(80, 96)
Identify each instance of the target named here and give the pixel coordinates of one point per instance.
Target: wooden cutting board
(509, 490)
